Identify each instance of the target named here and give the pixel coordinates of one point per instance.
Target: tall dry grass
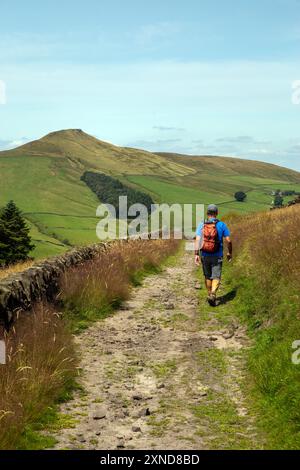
(89, 291)
(15, 268)
(266, 273)
(40, 364)
(269, 245)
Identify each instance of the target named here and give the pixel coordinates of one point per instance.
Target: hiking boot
(211, 299)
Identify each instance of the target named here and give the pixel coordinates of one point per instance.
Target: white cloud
(242, 139)
(150, 33)
(166, 128)
(10, 144)
(295, 149)
(155, 144)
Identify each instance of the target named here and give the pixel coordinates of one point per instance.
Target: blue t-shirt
(223, 231)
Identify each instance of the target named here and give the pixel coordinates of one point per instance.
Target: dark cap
(212, 208)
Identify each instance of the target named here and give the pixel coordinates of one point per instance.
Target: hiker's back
(210, 237)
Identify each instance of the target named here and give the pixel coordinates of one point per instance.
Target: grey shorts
(212, 267)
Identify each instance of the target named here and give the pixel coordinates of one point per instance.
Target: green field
(60, 208)
(258, 198)
(43, 178)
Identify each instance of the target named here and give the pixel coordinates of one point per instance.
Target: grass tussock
(40, 366)
(15, 268)
(267, 274)
(91, 291)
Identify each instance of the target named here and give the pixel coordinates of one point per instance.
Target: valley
(43, 178)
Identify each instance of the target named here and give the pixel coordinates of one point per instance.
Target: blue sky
(193, 76)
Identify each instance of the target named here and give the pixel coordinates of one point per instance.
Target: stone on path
(100, 413)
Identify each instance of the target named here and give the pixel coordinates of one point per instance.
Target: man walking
(209, 250)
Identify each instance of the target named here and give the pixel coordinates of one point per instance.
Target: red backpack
(210, 237)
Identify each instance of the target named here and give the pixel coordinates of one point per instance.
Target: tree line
(108, 190)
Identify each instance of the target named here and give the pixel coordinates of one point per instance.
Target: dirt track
(164, 372)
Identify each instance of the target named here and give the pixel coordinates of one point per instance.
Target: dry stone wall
(19, 291)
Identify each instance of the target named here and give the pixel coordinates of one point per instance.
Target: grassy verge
(40, 370)
(219, 410)
(266, 274)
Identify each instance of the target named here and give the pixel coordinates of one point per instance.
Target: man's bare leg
(208, 284)
(210, 296)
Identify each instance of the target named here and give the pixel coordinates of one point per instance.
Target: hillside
(43, 178)
(86, 150)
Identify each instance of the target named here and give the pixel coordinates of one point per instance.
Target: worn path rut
(164, 372)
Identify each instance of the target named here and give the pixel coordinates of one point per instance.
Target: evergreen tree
(15, 242)
(109, 189)
(278, 200)
(240, 196)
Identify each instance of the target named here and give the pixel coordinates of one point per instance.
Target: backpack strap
(216, 221)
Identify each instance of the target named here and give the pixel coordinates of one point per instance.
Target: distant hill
(232, 166)
(43, 177)
(91, 152)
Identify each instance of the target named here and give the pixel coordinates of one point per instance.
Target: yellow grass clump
(15, 268)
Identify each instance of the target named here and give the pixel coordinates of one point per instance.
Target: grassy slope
(171, 191)
(51, 186)
(43, 178)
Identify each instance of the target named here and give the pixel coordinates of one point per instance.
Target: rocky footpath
(161, 373)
